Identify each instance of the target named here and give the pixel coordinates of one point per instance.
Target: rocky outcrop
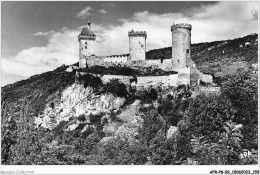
(76, 100)
(131, 122)
(171, 132)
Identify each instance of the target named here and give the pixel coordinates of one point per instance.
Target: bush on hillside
(91, 81)
(116, 87)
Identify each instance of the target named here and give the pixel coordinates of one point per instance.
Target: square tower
(86, 45)
(137, 45)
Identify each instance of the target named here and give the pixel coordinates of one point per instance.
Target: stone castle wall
(124, 79)
(184, 76)
(194, 76)
(116, 59)
(95, 61)
(86, 49)
(137, 45)
(165, 64)
(181, 41)
(144, 81)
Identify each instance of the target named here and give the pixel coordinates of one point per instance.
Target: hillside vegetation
(225, 51)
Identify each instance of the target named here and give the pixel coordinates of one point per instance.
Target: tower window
(187, 50)
(142, 46)
(86, 47)
(86, 43)
(178, 61)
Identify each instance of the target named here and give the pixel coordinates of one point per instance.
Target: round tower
(137, 45)
(86, 45)
(181, 44)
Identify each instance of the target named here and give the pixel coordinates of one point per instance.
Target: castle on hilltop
(181, 62)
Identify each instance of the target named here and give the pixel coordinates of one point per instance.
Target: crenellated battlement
(181, 25)
(137, 33)
(90, 37)
(116, 58)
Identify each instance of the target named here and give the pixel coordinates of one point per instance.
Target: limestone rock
(110, 128)
(76, 100)
(171, 132)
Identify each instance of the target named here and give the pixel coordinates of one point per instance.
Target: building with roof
(86, 45)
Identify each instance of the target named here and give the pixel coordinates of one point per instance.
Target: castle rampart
(137, 33)
(116, 59)
(181, 25)
(165, 64)
(144, 81)
(184, 76)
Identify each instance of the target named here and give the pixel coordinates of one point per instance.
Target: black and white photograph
(131, 83)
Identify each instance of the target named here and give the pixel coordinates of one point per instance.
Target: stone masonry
(137, 45)
(86, 45)
(181, 43)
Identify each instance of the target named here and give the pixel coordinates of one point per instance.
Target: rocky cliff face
(75, 101)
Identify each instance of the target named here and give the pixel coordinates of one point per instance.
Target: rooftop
(86, 31)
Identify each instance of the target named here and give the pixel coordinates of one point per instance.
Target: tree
(225, 151)
(91, 80)
(208, 114)
(241, 90)
(9, 139)
(116, 87)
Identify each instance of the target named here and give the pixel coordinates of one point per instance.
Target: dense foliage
(91, 81)
(116, 87)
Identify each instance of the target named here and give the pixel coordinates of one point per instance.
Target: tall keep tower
(181, 43)
(137, 45)
(86, 45)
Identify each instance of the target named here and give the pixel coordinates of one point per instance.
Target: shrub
(91, 80)
(58, 130)
(116, 87)
(147, 96)
(153, 95)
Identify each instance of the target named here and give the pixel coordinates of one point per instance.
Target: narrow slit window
(187, 50)
(86, 47)
(86, 43)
